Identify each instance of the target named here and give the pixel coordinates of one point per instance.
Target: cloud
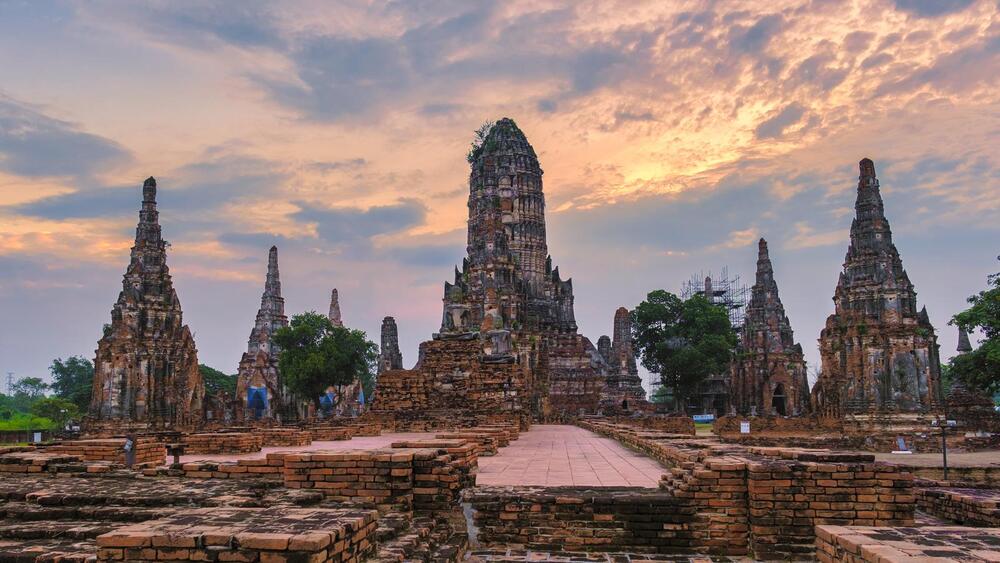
(190, 190)
(932, 8)
(34, 144)
(346, 225)
(775, 126)
(755, 38)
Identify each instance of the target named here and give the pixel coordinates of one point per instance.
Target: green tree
(73, 380)
(216, 381)
(981, 367)
(683, 341)
(316, 355)
(31, 387)
(55, 409)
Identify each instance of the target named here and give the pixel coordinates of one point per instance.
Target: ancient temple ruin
(879, 352)
(624, 386)
(508, 340)
(389, 356)
(146, 369)
(258, 383)
(768, 371)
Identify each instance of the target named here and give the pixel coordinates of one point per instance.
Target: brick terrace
(551, 455)
(356, 443)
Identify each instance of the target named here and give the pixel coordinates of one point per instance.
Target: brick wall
(767, 501)
(971, 507)
(222, 443)
(148, 450)
(580, 519)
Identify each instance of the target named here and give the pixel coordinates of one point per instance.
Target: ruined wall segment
(146, 368)
(768, 372)
(258, 384)
(389, 355)
(879, 352)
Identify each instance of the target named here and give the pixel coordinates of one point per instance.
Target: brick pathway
(551, 455)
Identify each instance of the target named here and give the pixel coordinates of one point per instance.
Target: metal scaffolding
(728, 292)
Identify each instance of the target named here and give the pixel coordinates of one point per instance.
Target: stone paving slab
(562, 455)
(532, 556)
(906, 544)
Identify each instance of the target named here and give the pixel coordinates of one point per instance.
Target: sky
(672, 135)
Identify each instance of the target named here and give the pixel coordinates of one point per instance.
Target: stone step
(61, 529)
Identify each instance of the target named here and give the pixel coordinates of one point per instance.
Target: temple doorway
(778, 399)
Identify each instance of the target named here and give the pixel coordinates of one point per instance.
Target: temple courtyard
(547, 455)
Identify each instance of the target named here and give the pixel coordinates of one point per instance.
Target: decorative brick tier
(246, 534)
(856, 544)
(284, 437)
(222, 443)
(488, 442)
(271, 468)
(148, 450)
(969, 507)
(462, 457)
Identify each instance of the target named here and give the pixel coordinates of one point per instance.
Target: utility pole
(10, 383)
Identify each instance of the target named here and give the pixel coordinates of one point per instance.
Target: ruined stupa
(334, 314)
(389, 356)
(146, 370)
(879, 352)
(508, 340)
(258, 383)
(768, 370)
(624, 386)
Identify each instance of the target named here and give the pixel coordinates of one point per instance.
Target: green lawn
(23, 421)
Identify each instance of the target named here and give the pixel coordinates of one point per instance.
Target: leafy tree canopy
(73, 380)
(316, 355)
(30, 387)
(216, 381)
(55, 409)
(981, 367)
(683, 341)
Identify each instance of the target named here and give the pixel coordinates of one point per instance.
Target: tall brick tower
(146, 369)
(769, 372)
(258, 384)
(879, 352)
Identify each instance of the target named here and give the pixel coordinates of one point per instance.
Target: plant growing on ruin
(478, 141)
(683, 341)
(316, 355)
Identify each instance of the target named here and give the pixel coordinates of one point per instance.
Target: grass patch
(24, 421)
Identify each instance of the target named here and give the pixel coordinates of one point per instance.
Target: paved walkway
(552, 455)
